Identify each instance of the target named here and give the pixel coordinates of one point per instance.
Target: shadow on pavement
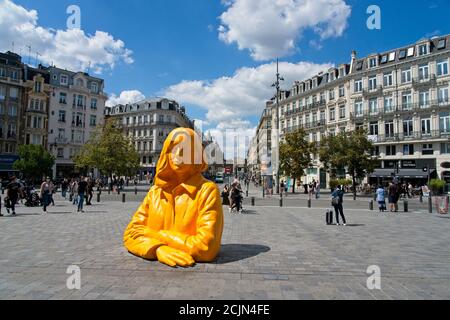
(237, 252)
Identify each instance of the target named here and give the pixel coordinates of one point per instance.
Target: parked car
(219, 177)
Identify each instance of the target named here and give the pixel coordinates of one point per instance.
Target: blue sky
(177, 40)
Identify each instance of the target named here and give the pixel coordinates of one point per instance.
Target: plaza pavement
(267, 253)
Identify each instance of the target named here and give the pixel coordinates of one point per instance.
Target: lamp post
(277, 86)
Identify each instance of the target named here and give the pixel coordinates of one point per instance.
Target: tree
(352, 151)
(34, 162)
(109, 151)
(296, 155)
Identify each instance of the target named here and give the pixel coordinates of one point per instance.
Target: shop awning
(403, 173)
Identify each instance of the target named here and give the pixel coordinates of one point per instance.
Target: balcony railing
(61, 140)
(368, 92)
(418, 82)
(412, 136)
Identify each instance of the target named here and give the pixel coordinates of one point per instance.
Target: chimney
(352, 64)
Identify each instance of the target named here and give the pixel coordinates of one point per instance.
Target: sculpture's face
(177, 161)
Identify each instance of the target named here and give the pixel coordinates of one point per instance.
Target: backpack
(335, 201)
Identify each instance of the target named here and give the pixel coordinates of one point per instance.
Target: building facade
(76, 108)
(11, 102)
(148, 123)
(401, 97)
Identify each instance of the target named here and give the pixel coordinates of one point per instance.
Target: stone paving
(267, 253)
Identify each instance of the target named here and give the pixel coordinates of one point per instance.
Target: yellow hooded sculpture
(180, 221)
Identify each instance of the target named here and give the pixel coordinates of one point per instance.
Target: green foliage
(109, 151)
(334, 183)
(437, 186)
(296, 154)
(352, 151)
(345, 182)
(34, 162)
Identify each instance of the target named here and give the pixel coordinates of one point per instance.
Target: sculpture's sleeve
(138, 238)
(205, 244)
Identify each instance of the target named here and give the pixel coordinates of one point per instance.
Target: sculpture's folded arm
(205, 244)
(138, 238)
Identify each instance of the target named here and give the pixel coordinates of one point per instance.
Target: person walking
(64, 187)
(317, 190)
(90, 192)
(392, 194)
(12, 194)
(226, 196)
(381, 199)
(45, 193)
(52, 192)
(337, 200)
(75, 192)
(82, 188)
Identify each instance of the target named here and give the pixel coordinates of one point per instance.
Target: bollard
(421, 198)
(253, 201)
(309, 203)
(109, 190)
(118, 190)
(264, 193)
(246, 193)
(371, 205)
(135, 190)
(98, 197)
(405, 206)
(123, 197)
(281, 202)
(430, 205)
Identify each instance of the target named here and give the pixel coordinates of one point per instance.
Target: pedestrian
(90, 192)
(337, 200)
(45, 194)
(381, 198)
(75, 192)
(282, 187)
(226, 196)
(64, 187)
(317, 190)
(236, 195)
(52, 191)
(392, 195)
(12, 195)
(82, 188)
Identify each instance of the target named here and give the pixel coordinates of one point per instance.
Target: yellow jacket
(185, 216)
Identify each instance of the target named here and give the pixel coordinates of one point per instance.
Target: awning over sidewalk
(403, 173)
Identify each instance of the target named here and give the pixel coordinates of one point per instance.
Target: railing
(61, 140)
(374, 91)
(416, 135)
(431, 80)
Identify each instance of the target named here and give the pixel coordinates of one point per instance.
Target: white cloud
(244, 94)
(72, 49)
(125, 97)
(271, 28)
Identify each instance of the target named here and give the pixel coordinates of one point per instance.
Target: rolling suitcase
(329, 217)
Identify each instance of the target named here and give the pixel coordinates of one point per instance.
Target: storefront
(415, 171)
(6, 166)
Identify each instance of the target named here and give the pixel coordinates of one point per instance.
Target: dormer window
(37, 86)
(402, 54)
(423, 49)
(80, 83)
(332, 75)
(64, 80)
(94, 87)
(441, 44)
(391, 56)
(384, 59)
(341, 72)
(411, 52)
(359, 66)
(373, 63)
(314, 83)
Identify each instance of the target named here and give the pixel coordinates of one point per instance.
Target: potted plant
(440, 201)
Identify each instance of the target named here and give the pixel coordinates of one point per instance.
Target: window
(373, 128)
(358, 85)
(93, 121)
(2, 93)
(359, 66)
(36, 139)
(441, 44)
(406, 75)
(331, 94)
(388, 104)
(2, 109)
(332, 114)
(322, 97)
(423, 49)
(60, 152)
(14, 75)
(63, 98)
(442, 67)
(80, 83)
(373, 83)
(94, 87)
(61, 133)
(388, 79)
(408, 128)
(93, 103)
(2, 73)
(342, 112)
(64, 80)
(384, 59)
(373, 106)
(341, 91)
(372, 62)
(12, 111)
(424, 99)
(427, 149)
(402, 54)
(444, 122)
(424, 72)
(37, 86)
(408, 149)
(426, 126)
(11, 131)
(391, 150)
(161, 119)
(407, 101)
(37, 123)
(13, 93)
(392, 56)
(389, 129)
(358, 108)
(445, 148)
(411, 52)
(443, 95)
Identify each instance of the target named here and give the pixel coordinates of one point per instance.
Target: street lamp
(277, 86)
